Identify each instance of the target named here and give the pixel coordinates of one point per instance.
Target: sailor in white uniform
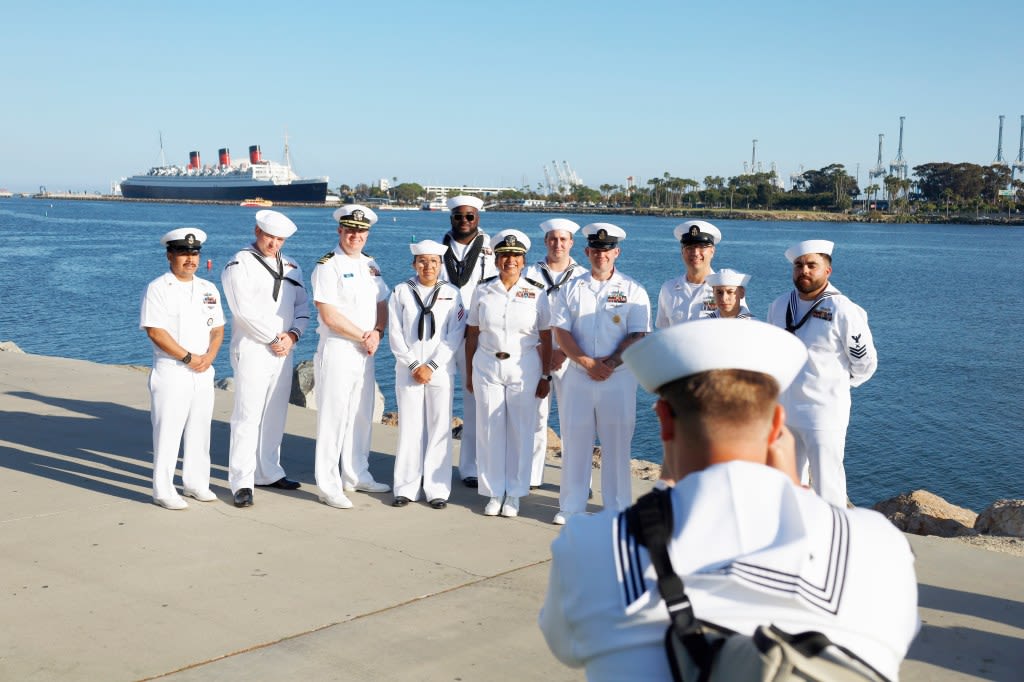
(730, 290)
(597, 317)
(351, 299)
(688, 296)
(428, 324)
(842, 355)
(182, 316)
(555, 272)
(469, 260)
(508, 351)
(269, 314)
(751, 546)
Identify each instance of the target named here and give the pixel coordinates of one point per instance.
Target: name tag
(347, 275)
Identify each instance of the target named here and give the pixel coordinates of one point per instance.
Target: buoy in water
(209, 264)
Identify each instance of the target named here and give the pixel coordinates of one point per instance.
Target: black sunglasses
(468, 217)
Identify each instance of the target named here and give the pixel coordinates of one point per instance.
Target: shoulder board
(487, 280)
(534, 282)
(326, 257)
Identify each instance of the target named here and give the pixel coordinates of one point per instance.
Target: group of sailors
(480, 313)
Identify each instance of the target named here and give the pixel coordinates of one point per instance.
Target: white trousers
(820, 453)
(540, 439)
(424, 435)
(181, 405)
(263, 383)
(507, 410)
(607, 409)
(467, 446)
(344, 397)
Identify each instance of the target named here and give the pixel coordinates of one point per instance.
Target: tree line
(934, 187)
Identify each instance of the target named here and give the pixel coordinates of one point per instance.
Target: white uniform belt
(506, 354)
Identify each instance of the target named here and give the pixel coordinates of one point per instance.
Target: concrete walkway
(100, 584)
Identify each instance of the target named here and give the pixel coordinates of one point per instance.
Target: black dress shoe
(438, 503)
(243, 498)
(400, 501)
(282, 484)
(470, 482)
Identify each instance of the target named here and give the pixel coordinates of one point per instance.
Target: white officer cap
(809, 246)
(697, 232)
(603, 236)
(510, 241)
(275, 223)
(428, 247)
(465, 200)
(702, 345)
(184, 239)
(563, 224)
(355, 216)
(727, 278)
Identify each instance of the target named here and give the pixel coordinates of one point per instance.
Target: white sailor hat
(465, 200)
(697, 232)
(702, 345)
(275, 223)
(563, 224)
(428, 247)
(809, 246)
(355, 216)
(184, 239)
(727, 278)
(510, 241)
(603, 236)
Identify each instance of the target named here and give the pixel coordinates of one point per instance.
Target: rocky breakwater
(1000, 526)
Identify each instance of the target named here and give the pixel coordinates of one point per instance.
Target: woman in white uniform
(508, 353)
(428, 324)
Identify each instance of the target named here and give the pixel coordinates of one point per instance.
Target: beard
(808, 285)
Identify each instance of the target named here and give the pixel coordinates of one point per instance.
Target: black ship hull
(296, 192)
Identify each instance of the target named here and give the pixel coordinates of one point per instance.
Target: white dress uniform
(425, 410)
(842, 354)
(553, 283)
(846, 573)
(481, 269)
(181, 399)
(266, 296)
(599, 315)
(680, 301)
(506, 371)
(344, 372)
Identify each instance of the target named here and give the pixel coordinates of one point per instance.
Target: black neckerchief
(552, 285)
(792, 308)
(278, 276)
(426, 311)
(460, 271)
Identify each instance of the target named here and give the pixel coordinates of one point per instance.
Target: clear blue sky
(481, 93)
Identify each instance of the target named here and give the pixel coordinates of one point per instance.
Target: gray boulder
(924, 513)
(1002, 517)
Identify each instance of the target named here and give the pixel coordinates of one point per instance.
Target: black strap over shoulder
(650, 521)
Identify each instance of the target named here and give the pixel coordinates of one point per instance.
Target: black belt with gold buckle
(502, 355)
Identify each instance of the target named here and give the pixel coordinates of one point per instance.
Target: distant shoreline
(710, 213)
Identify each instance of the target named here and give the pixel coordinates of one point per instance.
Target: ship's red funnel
(254, 154)
(225, 156)
(193, 160)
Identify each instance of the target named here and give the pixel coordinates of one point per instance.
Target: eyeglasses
(468, 217)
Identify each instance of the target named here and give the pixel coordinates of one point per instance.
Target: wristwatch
(187, 359)
(546, 377)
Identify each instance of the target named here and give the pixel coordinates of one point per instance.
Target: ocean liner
(226, 182)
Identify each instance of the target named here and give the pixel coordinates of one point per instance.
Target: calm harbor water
(945, 304)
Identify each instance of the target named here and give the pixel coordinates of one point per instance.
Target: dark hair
(733, 396)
